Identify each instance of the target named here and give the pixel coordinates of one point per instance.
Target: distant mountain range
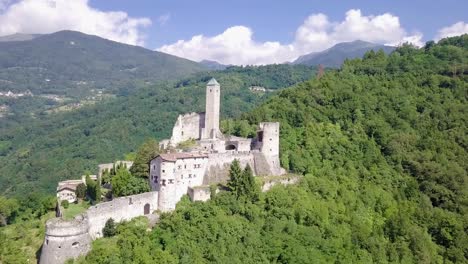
(336, 55)
(213, 65)
(19, 37)
(70, 63)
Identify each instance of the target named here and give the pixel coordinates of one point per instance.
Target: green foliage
(124, 183)
(148, 151)
(242, 183)
(65, 204)
(8, 209)
(93, 189)
(80, 191)
(109, 229)
(383, 150)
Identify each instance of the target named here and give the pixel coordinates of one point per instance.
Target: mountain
(336, 55)
(19, 37)
(213, 65)
(72, 63)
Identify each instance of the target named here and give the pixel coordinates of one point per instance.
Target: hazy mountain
(72, 63)
(19, 37)
(213, 65)
(336, 55)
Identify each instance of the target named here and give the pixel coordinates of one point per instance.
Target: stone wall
(65, 239)
(269, 182)
(187, 127)
(200, 193)
(120, 209)
(217, 168)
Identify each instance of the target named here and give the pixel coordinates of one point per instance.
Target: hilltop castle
(173, 173)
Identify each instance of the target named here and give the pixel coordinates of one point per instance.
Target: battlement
(59, 227)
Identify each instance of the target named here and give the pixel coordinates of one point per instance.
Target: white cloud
(456, 29)
(163, 19)
(234, 46)
(47, 16)
(237, 46)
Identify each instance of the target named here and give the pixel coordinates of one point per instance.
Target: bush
(109, 229)
(65, 204)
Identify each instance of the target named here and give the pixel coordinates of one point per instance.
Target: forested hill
(382, 145)
(71, 63)
(336, 55)
(37, 152)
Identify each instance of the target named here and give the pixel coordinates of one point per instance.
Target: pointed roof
(212, 82)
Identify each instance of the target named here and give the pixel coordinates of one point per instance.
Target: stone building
(175, 174)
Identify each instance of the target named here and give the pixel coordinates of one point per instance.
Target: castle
(173, 173)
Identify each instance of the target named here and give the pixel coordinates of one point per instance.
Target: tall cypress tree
(235, 174)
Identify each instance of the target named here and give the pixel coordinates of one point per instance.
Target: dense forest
(38, 152)
(382, 147)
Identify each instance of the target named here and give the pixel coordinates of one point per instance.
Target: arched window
(230, 147)
(146, 209)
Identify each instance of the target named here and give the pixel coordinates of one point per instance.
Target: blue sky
(240, 32)
(275, 19)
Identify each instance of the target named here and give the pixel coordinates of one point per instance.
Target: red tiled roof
(181, 155)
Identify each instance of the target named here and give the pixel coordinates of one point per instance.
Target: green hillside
(38, 152)
(72, 63)
(382, 145)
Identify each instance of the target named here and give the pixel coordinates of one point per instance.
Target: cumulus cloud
(47, 16)
(237, 46)
(234, 46)
(456, 29)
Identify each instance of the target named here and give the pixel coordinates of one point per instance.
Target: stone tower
(213, 93)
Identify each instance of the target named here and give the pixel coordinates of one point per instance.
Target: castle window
(163, 183)
(130, 200)
(171, 181)
(190, 176)
(47, 241)
(271, 150)
(185, 166)
(75, 244)
(270, 139)
(182, 133)
(179, 167)
(164, 171)
(182, 176)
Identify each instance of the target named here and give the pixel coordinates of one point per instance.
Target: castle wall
(187, 126)
(199, 193)
(120, 209)
(65, 239)
(217, 168)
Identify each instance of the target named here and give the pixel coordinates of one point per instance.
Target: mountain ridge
(335, 56)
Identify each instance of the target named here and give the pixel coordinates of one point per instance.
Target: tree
(235, 174)
(93, 189)
(109, 229)
(65, 204)
(8, 209)
(80, 191)
(124, 183)
(249, 187)
(147, 151)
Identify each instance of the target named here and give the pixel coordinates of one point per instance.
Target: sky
(240, 32)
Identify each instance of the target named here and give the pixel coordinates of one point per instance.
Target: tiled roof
(181, 155)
